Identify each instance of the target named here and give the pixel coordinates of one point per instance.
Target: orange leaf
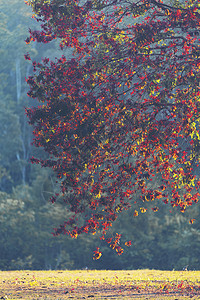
(191, 221)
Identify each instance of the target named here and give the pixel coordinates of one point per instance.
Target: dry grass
(91, 284)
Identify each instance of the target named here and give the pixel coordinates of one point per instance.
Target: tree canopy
(119, 119)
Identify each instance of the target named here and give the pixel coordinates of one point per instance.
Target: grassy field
(91, 284)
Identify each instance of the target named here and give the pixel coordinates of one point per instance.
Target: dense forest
(160, 240)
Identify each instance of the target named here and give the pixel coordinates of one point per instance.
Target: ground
(92, 284)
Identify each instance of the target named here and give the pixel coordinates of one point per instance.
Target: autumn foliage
(120, 117)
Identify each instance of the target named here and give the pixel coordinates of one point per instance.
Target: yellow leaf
(143, 210)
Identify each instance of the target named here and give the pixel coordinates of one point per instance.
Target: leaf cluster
(120, 119)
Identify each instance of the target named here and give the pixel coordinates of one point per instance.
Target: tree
(15, 135)
(120, 118)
